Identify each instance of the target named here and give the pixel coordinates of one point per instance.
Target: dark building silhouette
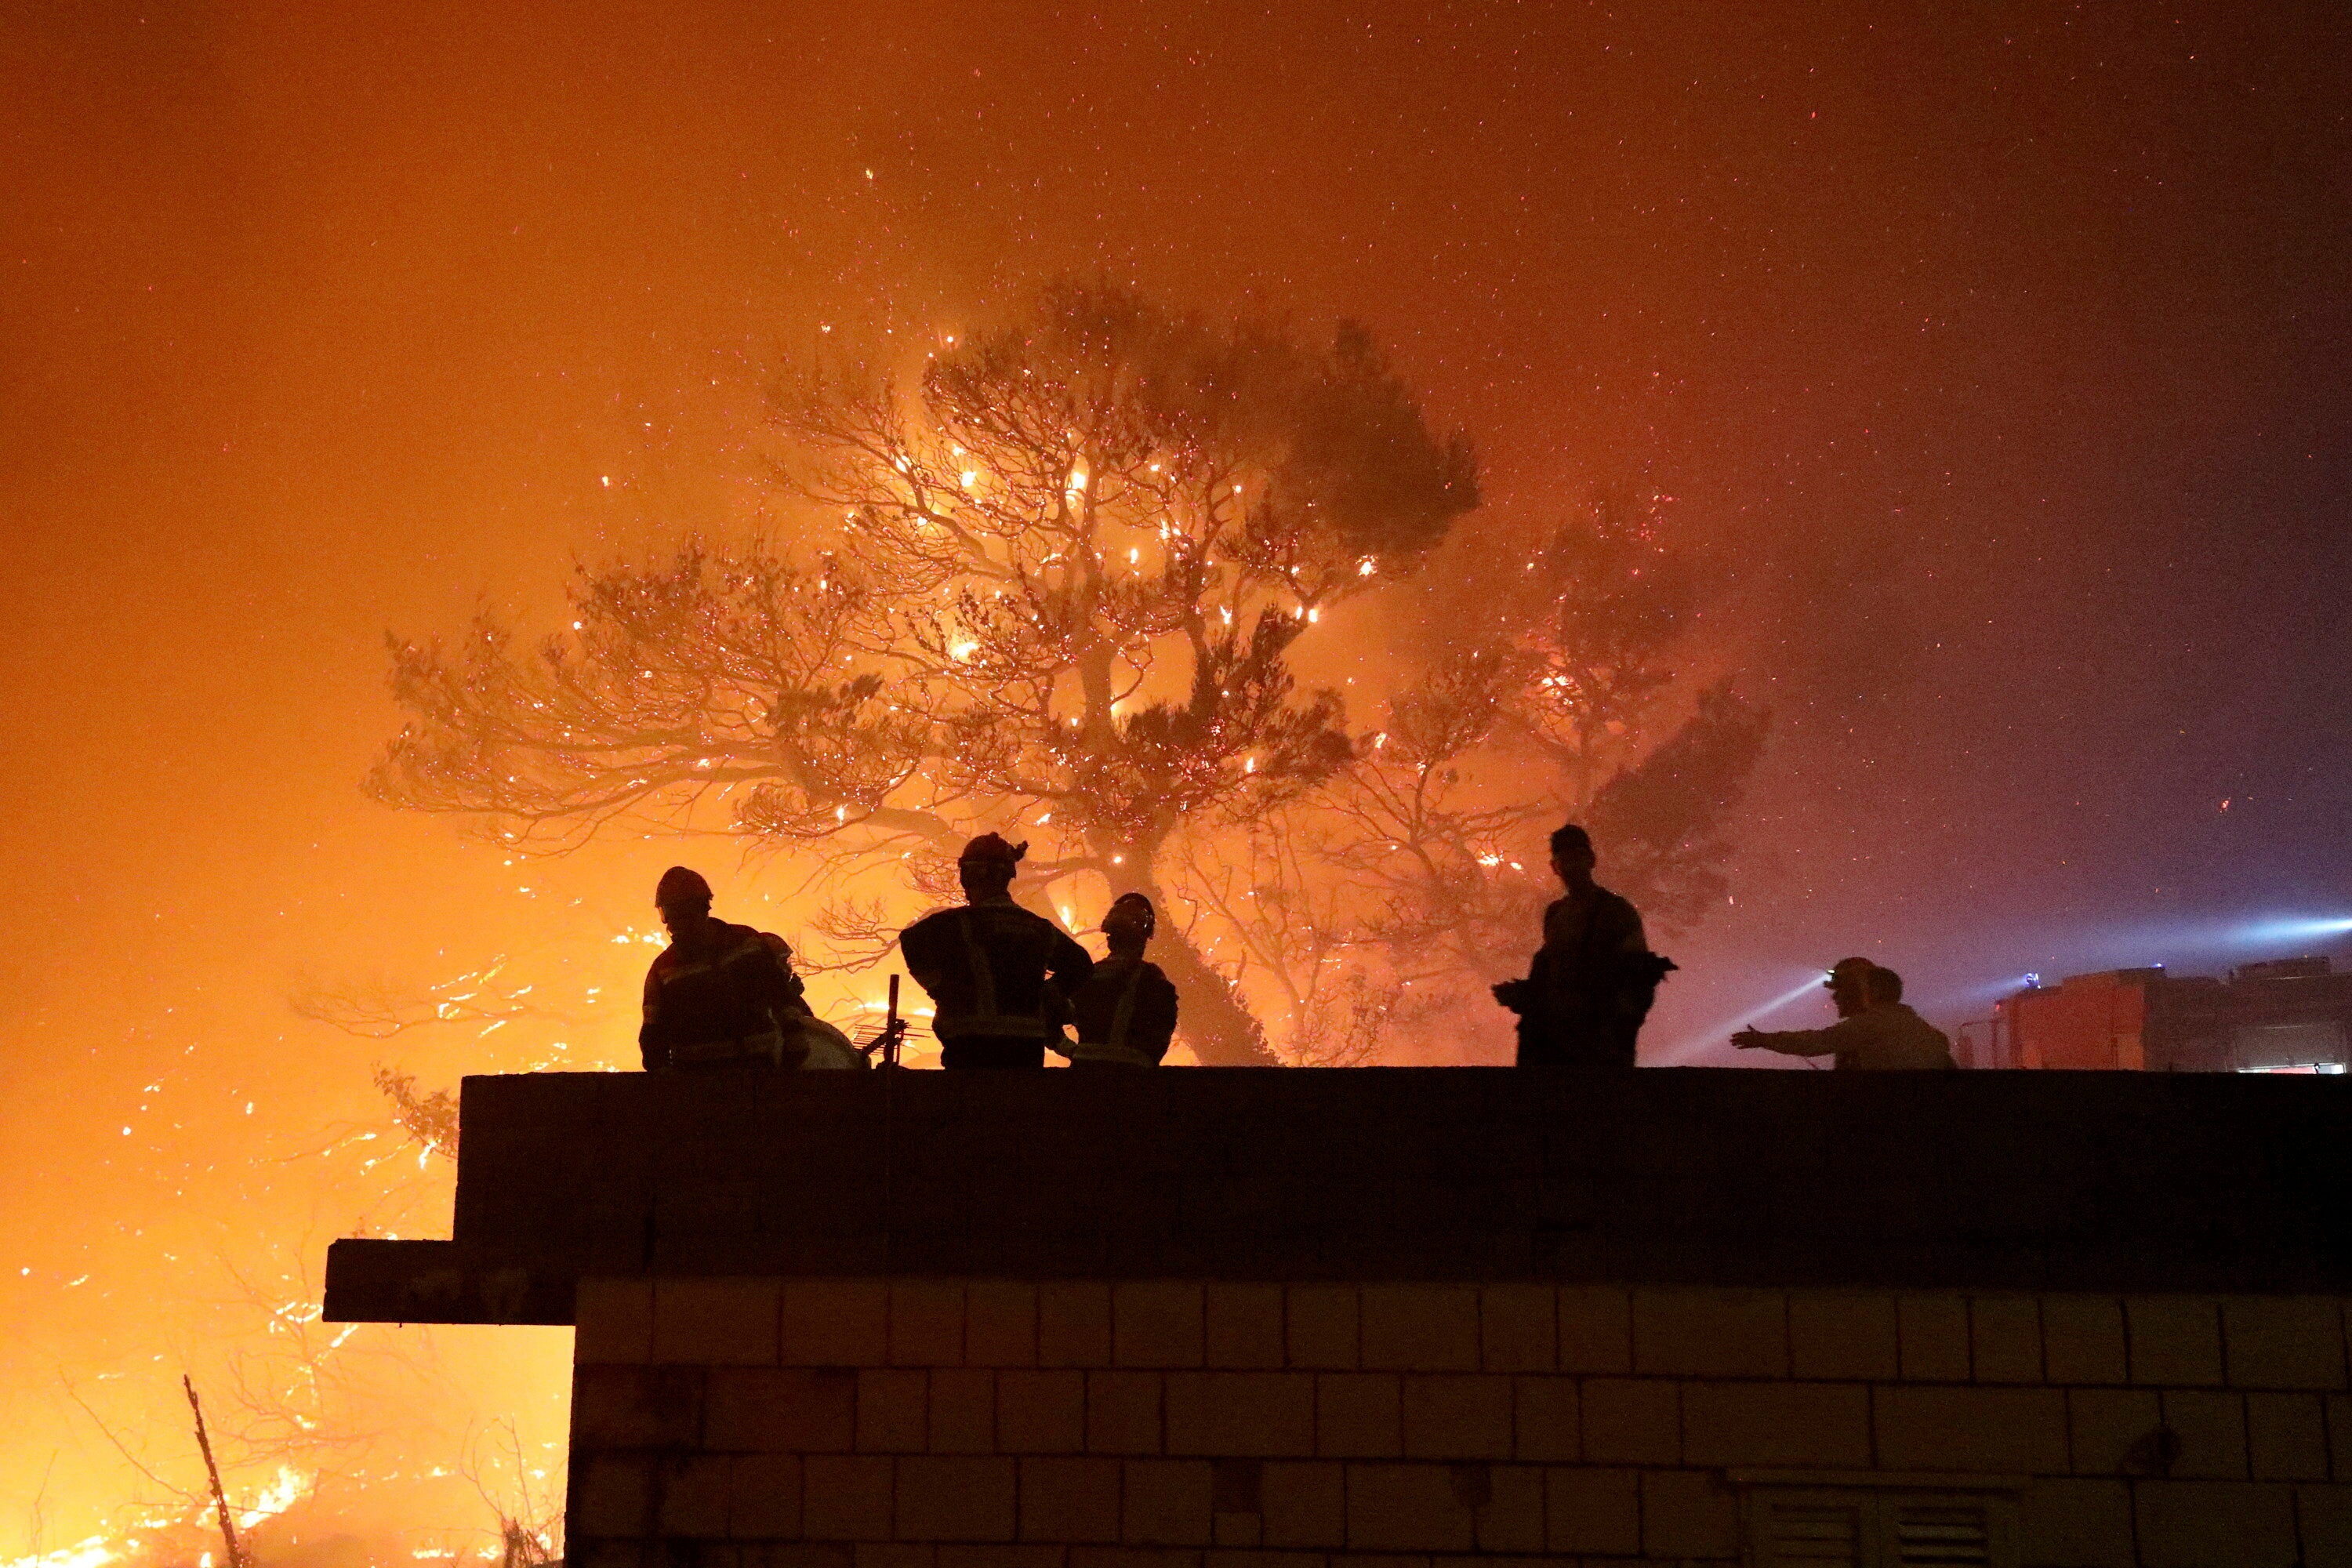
(1418, 1318)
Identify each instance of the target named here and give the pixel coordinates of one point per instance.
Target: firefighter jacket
(722, 1001)
(986, 967)
(1885, 1037)
(1591, 970)
(1125, 1014)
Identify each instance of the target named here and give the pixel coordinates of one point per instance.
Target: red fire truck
(2291, 1014)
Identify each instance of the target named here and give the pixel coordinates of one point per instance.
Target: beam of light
(2183, 944)
(1975, 997)
(1717, 1034)
(2292, 928)
(2211, 935)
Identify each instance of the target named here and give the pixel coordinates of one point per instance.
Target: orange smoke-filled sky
(1996, 357)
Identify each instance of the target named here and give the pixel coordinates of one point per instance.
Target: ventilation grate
(1814, 1533)
(1833, 1526)
(1935, 1535)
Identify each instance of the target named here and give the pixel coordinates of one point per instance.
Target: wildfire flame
(143, 1539)
(94, 1553)
(290, 1487)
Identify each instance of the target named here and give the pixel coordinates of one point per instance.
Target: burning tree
(1054, 587)
(1558, 672)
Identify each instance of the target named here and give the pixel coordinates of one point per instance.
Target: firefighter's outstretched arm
(1841, 1035)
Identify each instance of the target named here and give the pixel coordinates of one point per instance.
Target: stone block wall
(991, 1422)
(1419, 1319)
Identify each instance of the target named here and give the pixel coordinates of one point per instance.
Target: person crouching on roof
(1126, 1012)
(998, 974)
(720, 996)
(1875, 1031)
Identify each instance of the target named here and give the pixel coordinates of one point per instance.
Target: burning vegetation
(320, 1445)
(1070, 580)
(1204, 612)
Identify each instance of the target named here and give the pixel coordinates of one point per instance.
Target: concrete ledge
(2033, 1181)
(440, 1282)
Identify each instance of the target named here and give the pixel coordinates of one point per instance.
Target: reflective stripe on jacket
(734, 987)
(1126, 1005)
(986, 967)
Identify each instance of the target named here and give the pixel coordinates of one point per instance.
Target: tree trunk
(1211, 1018)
